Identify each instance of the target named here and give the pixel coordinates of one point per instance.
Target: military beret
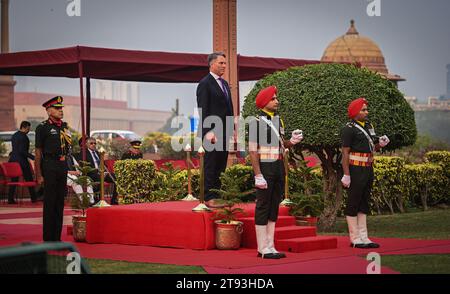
(264, 96)
(54, 102)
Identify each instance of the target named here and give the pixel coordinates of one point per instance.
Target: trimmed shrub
(136, 180)
(425, 184)
(387, 188)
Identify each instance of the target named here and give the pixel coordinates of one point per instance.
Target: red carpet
(174, 224)
(236, 261)
(343, 259)
(166, 224)
(339, 265)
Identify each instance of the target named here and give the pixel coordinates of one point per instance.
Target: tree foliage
(315, 97)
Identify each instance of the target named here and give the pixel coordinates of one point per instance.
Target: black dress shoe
(360, 245)
(12, 201)
(269, 256)
(281, 254)
(373, 245)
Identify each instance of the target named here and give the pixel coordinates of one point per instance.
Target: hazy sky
(414, 36)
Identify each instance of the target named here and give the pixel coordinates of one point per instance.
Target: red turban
(264, 96)
(355, 107)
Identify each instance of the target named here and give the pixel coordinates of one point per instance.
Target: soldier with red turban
(359, 142)
(266, 145)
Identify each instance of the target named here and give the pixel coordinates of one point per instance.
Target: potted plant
(81, 201)
(306, 208)
(228, 228)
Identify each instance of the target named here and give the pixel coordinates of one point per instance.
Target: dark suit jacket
(20, 146)
(212, 101)
(90, 159)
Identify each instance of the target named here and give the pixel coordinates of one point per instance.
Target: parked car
(104, 135)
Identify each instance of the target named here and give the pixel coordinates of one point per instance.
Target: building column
(7, 122)
(225, 40)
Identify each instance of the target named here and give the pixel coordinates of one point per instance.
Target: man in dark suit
(215, 105)
(93, 157)
(20, 153)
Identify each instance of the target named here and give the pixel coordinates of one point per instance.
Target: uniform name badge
(281, 131)
(372, 132)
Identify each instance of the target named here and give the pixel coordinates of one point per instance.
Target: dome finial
(352, 30)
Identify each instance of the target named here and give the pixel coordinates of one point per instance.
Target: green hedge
(136, 179)
(440, 157)
(425, 184)
(397, 186)
(387, 186)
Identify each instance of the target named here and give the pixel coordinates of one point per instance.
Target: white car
(108, 135)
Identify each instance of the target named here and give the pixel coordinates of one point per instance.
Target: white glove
(346, 181)
(296, 137)
(260, 182)
(384, 140)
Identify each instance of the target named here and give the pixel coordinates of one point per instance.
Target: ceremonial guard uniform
(266, 134)
(53, 143)
(359, 143)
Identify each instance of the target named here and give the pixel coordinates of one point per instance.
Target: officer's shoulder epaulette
(43, 123)
(349, 124)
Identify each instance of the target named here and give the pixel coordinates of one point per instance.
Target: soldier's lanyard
(64, 137)
(371, 144)
(271, 125)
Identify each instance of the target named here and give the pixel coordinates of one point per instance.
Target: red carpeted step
(306, 244)
(249, 235)
(294, 232)
(283, 220)
(287, 232)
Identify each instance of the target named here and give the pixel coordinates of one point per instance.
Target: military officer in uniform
(53, 144)
(134, 152)
(359, 142)
(266, 146)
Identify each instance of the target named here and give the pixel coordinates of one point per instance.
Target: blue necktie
(224, 89)
(97, 160)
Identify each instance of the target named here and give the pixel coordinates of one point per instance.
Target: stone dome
(352, 47)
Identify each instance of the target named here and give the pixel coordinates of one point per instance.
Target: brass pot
(79, 228)
(228, 235)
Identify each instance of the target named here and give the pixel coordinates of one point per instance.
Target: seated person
(93, 158)
(134, 152)
(72, 176)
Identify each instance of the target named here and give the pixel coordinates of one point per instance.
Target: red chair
(109, 187)
(13, 170)
(3, 190)
(109, 164)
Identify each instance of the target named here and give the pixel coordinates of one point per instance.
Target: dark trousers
(359, 191)
(96, 178)
(27, 176)
(268, 200)
(55, 190)
(215, 164)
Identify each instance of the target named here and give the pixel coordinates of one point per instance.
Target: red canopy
(129, 65)
(132, 65)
